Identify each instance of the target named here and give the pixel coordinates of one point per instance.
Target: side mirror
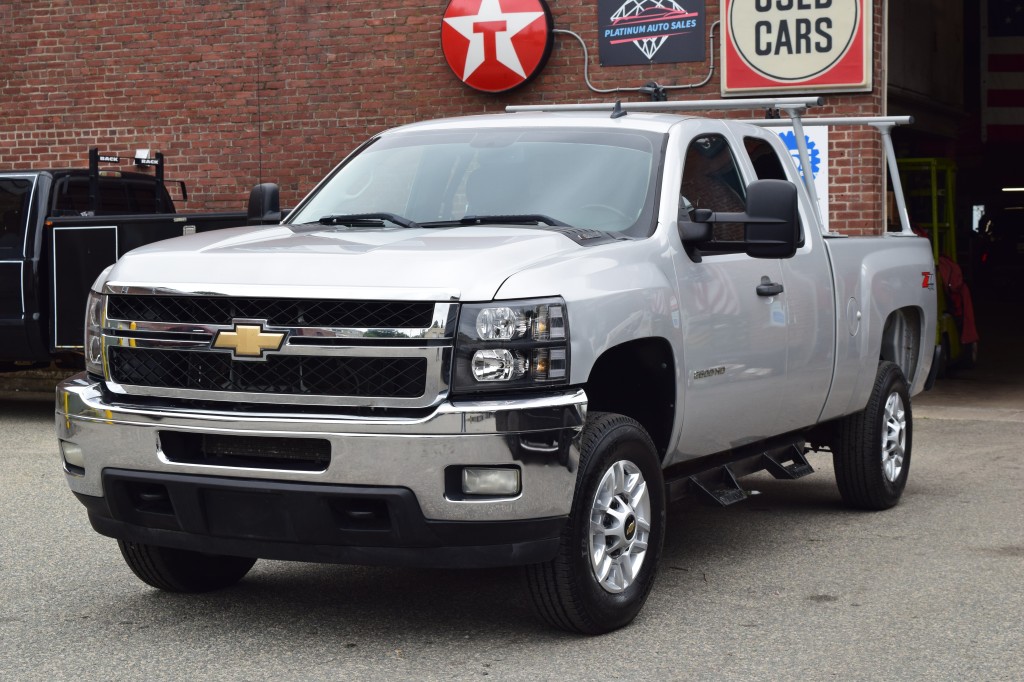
(773, 227)
(771, 223)
(264, 204)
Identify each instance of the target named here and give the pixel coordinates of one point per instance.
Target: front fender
(614, 293)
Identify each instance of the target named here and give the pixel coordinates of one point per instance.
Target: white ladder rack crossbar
(784, 103)
(838, 121)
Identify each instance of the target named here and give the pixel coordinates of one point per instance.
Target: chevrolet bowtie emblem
(248, 340)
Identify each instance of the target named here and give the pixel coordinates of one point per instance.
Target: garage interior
(958, 68)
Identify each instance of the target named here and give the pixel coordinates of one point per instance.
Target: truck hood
(466, 263)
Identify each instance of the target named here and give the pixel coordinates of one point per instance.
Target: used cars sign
(796, 45)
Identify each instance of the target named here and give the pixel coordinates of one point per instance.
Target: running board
(798, 466)
(717, 478)
(720, 485)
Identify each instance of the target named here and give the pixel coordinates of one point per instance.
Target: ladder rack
(884, 126)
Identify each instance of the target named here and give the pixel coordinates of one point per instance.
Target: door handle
(768, 287)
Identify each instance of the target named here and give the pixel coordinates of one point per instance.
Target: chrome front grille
(279, 312)
(334, 352)
(285, 374)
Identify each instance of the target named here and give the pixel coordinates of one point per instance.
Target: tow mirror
(771, 223)
(264, 204)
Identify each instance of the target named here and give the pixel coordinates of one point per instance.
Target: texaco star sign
(496, 45)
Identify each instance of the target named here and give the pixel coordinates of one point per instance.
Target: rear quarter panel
(875, 276)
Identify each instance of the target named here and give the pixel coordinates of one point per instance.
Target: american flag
(1002, 74)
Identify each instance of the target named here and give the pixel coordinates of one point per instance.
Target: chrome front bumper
(540, 436)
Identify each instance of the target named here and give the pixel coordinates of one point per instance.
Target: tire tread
(857, 473)
(176, 570)
(555, 594)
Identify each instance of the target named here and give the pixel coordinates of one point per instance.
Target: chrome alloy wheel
(620, 526)
(894, 438)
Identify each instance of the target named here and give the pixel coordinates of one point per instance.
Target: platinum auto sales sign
(496, 45)
(772, 46)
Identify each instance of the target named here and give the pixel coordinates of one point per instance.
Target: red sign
(772, 46)
(496, 45)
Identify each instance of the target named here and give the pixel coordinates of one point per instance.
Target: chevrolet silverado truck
(508, 339)
(59, 229)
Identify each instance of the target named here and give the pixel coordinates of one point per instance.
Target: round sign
(496, 45)
(793, 40)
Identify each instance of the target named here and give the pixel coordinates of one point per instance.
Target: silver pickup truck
(508, 339)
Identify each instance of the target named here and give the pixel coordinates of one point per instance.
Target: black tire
(872, 450)
(179, 570)
(567, 592)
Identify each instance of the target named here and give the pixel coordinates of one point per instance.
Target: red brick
(199, 80)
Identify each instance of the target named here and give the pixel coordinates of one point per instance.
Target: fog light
(488, 481)
(72, 454)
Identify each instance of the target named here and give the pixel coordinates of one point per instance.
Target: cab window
(14, 207)
(711, 180)
(766, 162)
(118, 196)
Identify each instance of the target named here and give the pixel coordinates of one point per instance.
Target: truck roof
(641, 121)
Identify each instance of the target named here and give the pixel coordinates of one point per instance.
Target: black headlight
(95, 318)
(512, 345)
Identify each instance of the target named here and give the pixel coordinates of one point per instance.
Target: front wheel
(179, 570)
(609, 551)
(872, 450)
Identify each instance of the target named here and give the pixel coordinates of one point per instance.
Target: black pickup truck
(60, 228)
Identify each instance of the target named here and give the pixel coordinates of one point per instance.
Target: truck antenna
(259, 119)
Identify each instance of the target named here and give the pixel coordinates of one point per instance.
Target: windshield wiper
(509, 219)
(366, 220)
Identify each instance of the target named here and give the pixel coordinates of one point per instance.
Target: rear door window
(766, 162)
(118, 196)
(144, 197)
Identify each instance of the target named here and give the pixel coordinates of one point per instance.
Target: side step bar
(719, 483)
(797, 468)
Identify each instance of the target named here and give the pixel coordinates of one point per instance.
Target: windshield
(597, 179)
(14, 206)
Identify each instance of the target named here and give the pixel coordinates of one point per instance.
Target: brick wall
(235, 91)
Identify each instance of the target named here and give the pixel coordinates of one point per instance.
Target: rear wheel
(179, 570)
(609, 552)
(872, 450)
